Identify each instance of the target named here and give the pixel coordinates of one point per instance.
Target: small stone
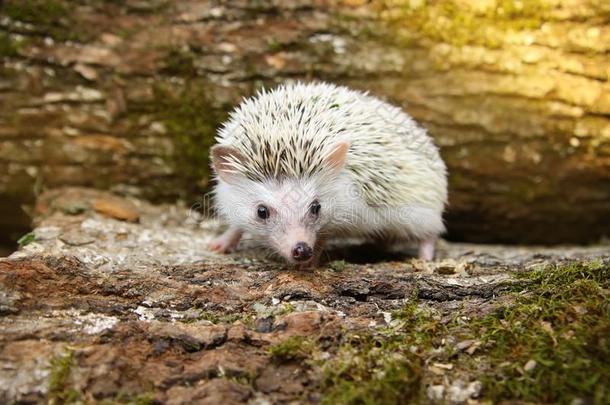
(436, 392)
(473, 348)
(87, 72)
(530, 365)
(277, 61)
(465, 344)
(475, 388)
(116, 208)
(436, 370)
(192, 336)
(227, 47)
(76, 238)
(264, 325)
(459, 392)
(445, 269)
(8, 301)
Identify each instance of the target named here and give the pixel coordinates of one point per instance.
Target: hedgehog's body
(310, 160)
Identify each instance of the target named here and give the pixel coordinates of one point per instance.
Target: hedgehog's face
(287, 215)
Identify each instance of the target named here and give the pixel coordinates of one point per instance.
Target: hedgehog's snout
(302, 252)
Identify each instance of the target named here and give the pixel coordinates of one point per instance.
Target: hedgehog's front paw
(227, 241)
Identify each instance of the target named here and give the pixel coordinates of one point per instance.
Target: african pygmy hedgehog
(304, 162)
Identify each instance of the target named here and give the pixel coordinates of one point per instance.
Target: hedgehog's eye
(315, 208)
(262, 212)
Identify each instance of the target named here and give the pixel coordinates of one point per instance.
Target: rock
(459, 392)
(117, 209)
(8, 299)
(435, 392)
(469, 346)
(445, 269)
(76, 238)
(530, 365)
(87, 72)
(300, 324)
(191, 336)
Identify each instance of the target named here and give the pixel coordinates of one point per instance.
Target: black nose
(301, 252)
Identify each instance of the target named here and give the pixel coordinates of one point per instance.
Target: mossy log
(126, 96)
(91, 314)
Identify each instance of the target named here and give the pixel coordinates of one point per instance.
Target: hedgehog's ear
(221, 161)
(336, 159)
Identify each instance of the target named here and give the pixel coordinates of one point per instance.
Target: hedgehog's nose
(302, 252)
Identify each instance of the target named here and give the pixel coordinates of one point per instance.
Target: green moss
(274, 45)
(191, 121)
(372, 369)
(59, 380)
(458, 24)
(43, 12)
(216, 319)
(293, 348)
(383, 366)
(286, 309)
(50, 17)
(337, 265)
(562, 322)
(556, 316)
(62, 392)
(180, 63)
(8, 46)
(245, 318)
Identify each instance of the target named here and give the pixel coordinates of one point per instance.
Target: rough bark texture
(126, 96)
(135, 310)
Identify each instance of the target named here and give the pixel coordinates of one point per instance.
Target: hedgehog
(305, 162)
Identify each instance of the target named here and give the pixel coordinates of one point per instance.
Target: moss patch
(337, 265)
(61, 389)
(179, 62)
(59, 380)
(548, 343)
(293, 348)
(8, 46)
(561, 325)
(370, 371)
(45, 12)
(191, 121)
(220, 319)
(384, 366)
(460, 24)
(50, 17)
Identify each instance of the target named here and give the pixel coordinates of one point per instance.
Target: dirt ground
(112, 300)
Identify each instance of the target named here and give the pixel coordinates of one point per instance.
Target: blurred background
(127, 95)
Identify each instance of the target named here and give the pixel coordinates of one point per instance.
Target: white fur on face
(288, 201)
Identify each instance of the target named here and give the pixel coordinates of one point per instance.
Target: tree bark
(126, 96)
